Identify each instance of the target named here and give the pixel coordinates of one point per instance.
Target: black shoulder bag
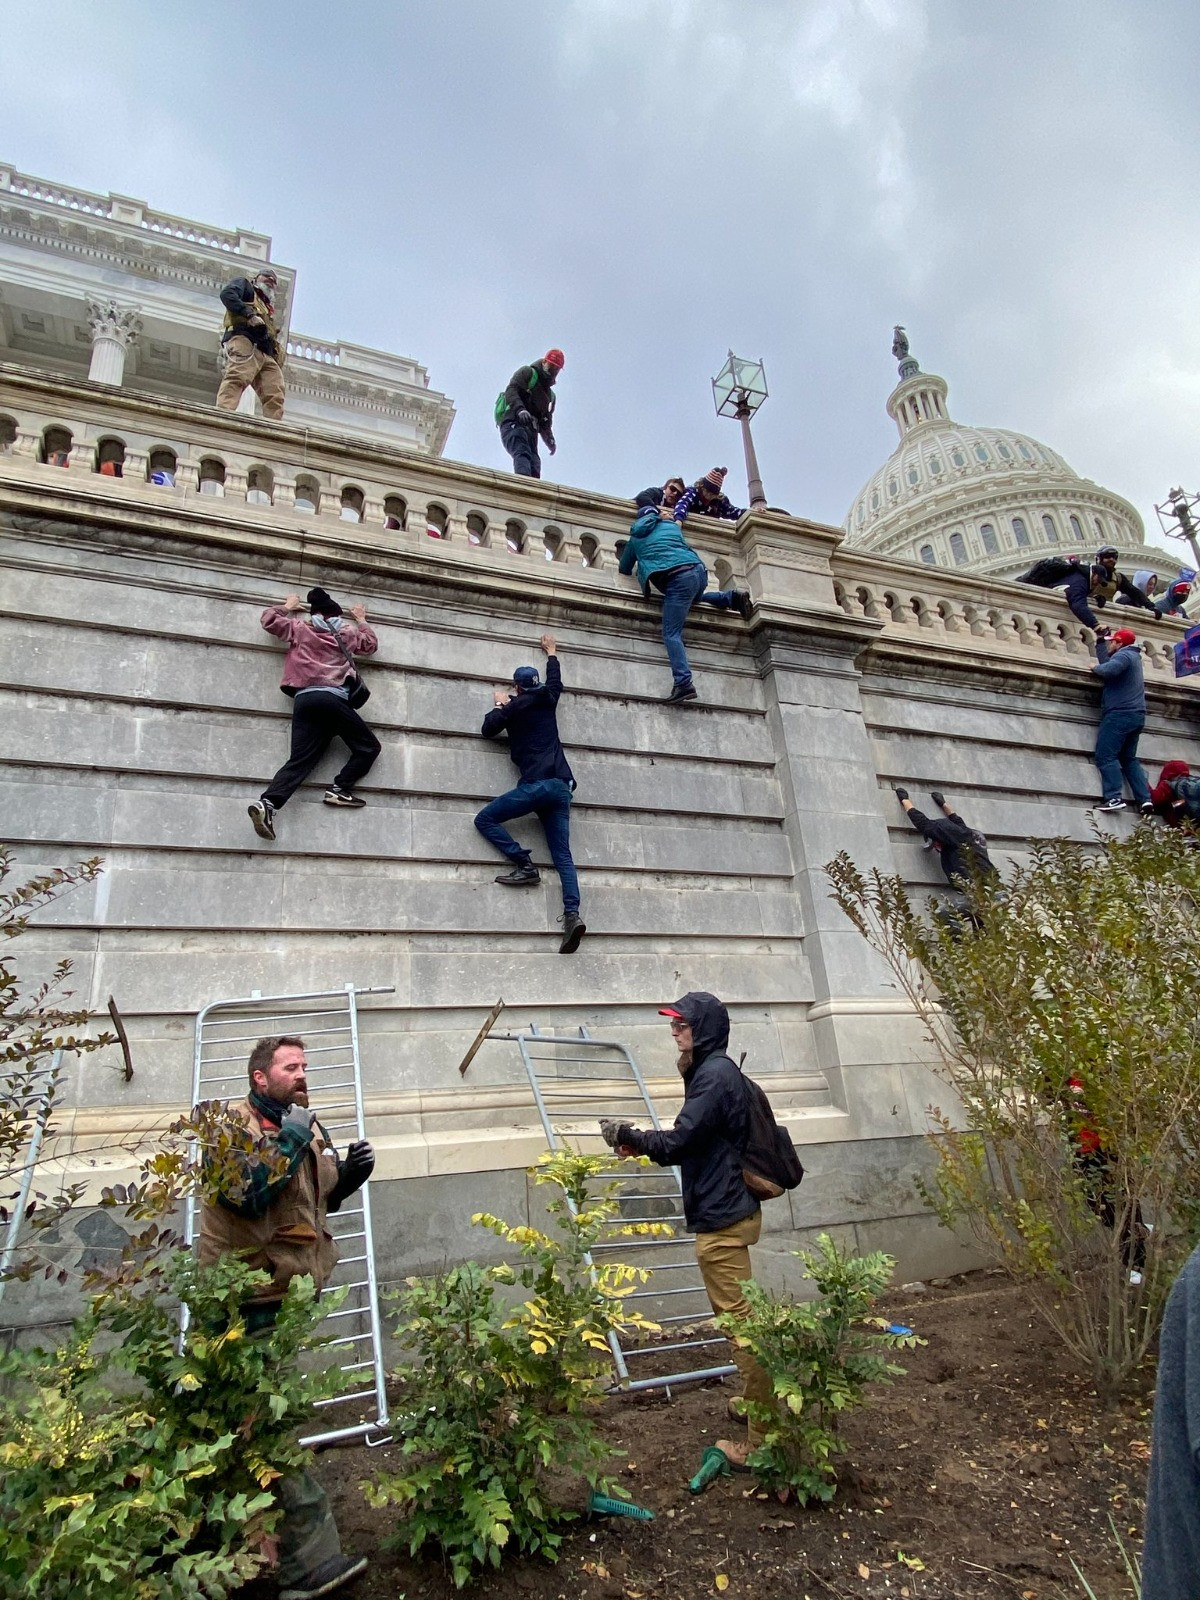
(357, 692)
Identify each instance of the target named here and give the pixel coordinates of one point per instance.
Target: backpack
(769, 1160)
(501, 405)
(1187, 653)
(1048, 572)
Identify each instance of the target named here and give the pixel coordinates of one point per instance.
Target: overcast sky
(648, 182)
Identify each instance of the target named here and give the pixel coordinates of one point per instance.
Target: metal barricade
(576, 1080)
(327, 1020)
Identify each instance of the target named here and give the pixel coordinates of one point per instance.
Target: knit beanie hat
(555, 358)
(322, 602)
(526, 678)
(1124, 636)
(715, 480)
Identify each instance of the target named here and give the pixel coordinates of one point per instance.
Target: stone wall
(141, 710)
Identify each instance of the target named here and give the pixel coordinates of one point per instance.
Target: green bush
(1069, 1014)
(496, 1395)
(820, 1356)
(141, 1469)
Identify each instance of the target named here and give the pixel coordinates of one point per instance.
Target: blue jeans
(522, 445)
(551, 800)
(1116, 755)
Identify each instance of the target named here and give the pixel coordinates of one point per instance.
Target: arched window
(927, 555)
(260, 486)
(1020, 531)
(514, 536)
(477, 527)
(590, 547)
(1076, 526)
(212, 476)
(161, 466)
(553, 540)
(991, 545)
(1099, 527)
(8, 434)
(958, 548)
(437, 521)
(1050, 529)
(308, 496)
(56, 447)
(110, 457)
(395, 512)
(352, 504)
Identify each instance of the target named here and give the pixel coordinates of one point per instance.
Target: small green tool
(601, 1505)
(714, 1465)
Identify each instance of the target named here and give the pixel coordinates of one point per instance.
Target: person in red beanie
(1122, 718)
(525, 413)
(1176, 795)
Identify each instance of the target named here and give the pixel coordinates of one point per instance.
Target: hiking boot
(574, 928)
(328, 1578)
(679, 693)
(1112, 805)
(262, 815)
(742, 602)
(520, 876)
(338, 797)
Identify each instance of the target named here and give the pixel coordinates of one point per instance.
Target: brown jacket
(292, 1237)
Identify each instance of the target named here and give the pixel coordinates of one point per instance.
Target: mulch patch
(990, 1464)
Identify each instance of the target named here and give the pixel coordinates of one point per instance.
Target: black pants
(522, 445)
(318, 717)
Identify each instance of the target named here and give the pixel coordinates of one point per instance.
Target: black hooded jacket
(710, 1131)
(531, 722)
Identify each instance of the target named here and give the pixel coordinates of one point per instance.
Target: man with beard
(706, 1144)
(276, 1219)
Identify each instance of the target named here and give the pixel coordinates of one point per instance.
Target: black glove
(901, 794)
(1103, 633)
(524, 418)
(353, 1173)
(937, 797)
(301, 1117)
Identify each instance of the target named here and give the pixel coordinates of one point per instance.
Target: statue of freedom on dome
(899, 343)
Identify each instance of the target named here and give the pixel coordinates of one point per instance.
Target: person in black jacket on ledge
(963, 854)
(527, 714)
(706, 1144)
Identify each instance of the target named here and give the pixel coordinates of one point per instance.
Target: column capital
(108, 319)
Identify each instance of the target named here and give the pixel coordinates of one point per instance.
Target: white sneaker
(1135, 1278)
(1111, 805)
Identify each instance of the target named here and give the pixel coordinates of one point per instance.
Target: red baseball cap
(1124, 636)
(555, 358)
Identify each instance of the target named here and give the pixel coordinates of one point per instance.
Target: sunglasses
(681, 1027)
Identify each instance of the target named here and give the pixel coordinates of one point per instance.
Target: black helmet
(1107, 550)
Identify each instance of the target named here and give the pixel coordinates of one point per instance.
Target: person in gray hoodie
(1122, 718)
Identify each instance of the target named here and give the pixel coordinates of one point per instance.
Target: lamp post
(1177, 518)
(738, 390)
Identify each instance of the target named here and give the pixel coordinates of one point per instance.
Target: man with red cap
(525, 413)
(706, 1144)
(1122, 718)
(253, 345)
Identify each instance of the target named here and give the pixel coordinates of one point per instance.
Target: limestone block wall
(141, 712)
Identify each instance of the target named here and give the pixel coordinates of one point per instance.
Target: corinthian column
(114, 328)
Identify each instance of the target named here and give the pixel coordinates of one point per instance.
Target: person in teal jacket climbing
(666, 563)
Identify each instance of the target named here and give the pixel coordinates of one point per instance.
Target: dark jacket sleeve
(264, 1179)
(1078, 585)
(496, 721)
(1132, 595)
(933, 827)
(517, 393)
(238, 297)
(702, 1116)
(554, 683)
(649, 497)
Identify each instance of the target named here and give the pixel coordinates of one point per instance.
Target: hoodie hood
(1141, 579)
(708, 1020)
(1161, 792)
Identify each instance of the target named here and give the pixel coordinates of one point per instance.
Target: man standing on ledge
(254, 351)
(276, 1220)
(527, 714)
(525, 413)
(319, 676)
(706, 1144)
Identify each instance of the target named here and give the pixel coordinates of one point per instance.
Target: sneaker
(1135, 1278)
(1147, 808)
(520, 876)
(1111, 805)
(680, 693)
(742, 602)
(262, 815)
(339, 797)
(328, 1578)
(574, 928)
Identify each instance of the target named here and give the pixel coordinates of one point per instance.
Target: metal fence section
(577, 1080)
(327, 1021)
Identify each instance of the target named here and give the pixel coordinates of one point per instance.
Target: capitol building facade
(984, 500)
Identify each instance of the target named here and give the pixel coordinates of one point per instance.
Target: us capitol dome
(984, 499)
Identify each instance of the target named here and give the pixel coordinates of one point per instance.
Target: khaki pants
(249, 367)
(724, 1260)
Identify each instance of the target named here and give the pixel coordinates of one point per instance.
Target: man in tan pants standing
(706, 1144)
(254, 351)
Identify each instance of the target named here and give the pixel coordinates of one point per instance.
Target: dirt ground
(980, 1473)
